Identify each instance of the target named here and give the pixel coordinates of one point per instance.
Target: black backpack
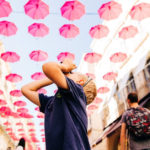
(138, 122)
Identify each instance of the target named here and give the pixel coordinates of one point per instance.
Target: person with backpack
(136, 121)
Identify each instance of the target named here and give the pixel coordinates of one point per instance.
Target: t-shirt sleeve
(123, 119)
(44, 99)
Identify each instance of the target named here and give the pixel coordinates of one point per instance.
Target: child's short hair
(90, 90)
(133, 97)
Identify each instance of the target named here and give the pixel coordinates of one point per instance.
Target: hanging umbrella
(37, 109)
(25, 115)
(15, 115)
(140, 11)
(19, 124)
(92, 107)
(16, 93)
(64, 55)
(91, 75)
(7, 123)
(32, 134)
(30, 124)
(69, 31)
(35, 140)
(38, 76)
(99, 31)
(42, 124)
(72, 10)
(92, 57)
(22, 110)
(97, 100)
(5, 8)
(42, 90)
(3, 102)
(42, 134)
(38, 29)
(42, 130)
(38, 55)
(36, 9)
(10, 57)
(43, 139)
(12, 77)
(1, 92)
(7, 28)
(20, 130)
(103, 90)
(8, 129)
(110, 76)
(4, 109)
(118, 57)
(110, 10)
(31, 130)
(40, 115)
(20, 103)
(128, 32)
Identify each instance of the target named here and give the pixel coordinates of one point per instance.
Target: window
(147, 70)
(131, 87)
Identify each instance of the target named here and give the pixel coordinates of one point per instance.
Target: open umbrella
(118, 57)
(36, 9)
(92, 57)
(99, 31)
(22, 110)
(38, 76)
(92, 107)
(31, 130)
(40, 115)
(110, 76)
(12, 77)
(2, 102)
(10, 57)
(20, 103)
(19, 124)
(30, 124)
(16, 93)
(69, 31)
(7, 28)
(97, 100)
(64, 55)
(128, 32)
(1, 92)
(140, 11)
(110, 10)
(42, 124)
(103, 90)
(7, 123)
(25, 115)
(72, 10)
(5, 8)
(38, 29)
(15, 115)
(42, 90)
(37, 109)
(38, 55)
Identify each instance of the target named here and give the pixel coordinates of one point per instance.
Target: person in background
(65, 112)
(135, 122)
(21, 144)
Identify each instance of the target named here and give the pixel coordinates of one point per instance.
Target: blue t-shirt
(65, 118)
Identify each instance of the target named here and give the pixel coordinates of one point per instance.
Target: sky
(23, 43)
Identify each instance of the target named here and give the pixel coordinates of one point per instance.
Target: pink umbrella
(99, 31)
(19, 124)
(31, 130)
(69, 31)
(16, 93)
(110, 10)
(5, 8)
(55, 91)
(64, 55)
(118, 57)
(40, 115)
(92, 107)
(38, 76)
(1, 92)
(4, 109)
(22, 110)
(72, 10)
(30, 124)
(140, 11)
(36, 9)
(7, 28)
(37, 109)
(38, 29)
(32, 134)
(42, 130)
(92, 57)
(42, 90)
(42, 123)
(20, 103)
(12, 77)
(25, 115)
(103, 90)
(15, 115)
(38, 55)
(97, 100)
(10, 57)
(3, 102)
(7, 123)
(128, 32)
(20, 130)
(91, 75)
(110, 76)
(42, 134)
(43, 139)
(8, 129)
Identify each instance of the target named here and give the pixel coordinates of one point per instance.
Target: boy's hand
(68, 65)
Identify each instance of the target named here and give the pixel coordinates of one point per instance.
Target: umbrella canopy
(40, 115)
(99, 31)
(97, 100)
(92, 57)
(128, 32)
(15, 115)
(20, 103)
(37, 109)
(110, 10)
(10, 57)
(30, 124)
(38, 29)
(140, 11)
(69, 31)
(103, 90)
(5, 8)
(25, 115)
(12, 77)
(38, 76)
(42, 124)
(7, 28)
(2, 102)
(64, 55)
(16, 93)
(72, 10)
(19, 124)
(38, 55)
(91, 75)
(1, 92)
(31, 130)
(22, 110)
(110, 76)
(42, 90)
(118, 57)
(92, 107)
(7, 123)
(36, 9)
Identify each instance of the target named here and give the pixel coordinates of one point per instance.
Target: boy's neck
(134, 105)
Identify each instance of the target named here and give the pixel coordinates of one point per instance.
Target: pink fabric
(64, 55)
(38, 29)
(92, 57)
(118, 57)
(12, 77)
(72, 10)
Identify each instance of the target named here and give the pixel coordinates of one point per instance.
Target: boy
(65, 112)
(132, 120)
